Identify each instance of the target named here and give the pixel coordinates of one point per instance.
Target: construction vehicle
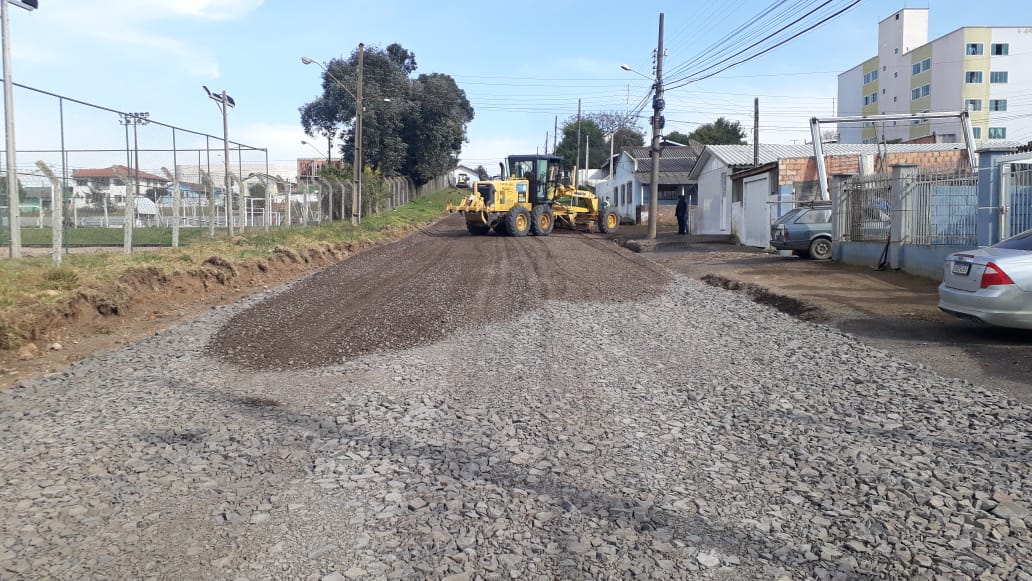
(535, 197)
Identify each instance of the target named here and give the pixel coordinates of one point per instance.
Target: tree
(482, 173)
(589, 132)
(677, 137)
(414, 127)
(434, 126)
(720, 132)
(155, 194)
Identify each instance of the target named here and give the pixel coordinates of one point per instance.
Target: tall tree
(410, 126)
(589, 133)
(434, 126)
(720, 132)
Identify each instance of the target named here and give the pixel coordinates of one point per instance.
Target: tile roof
(666, 178)
(739, 155)
(109, 172)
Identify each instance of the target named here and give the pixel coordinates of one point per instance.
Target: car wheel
(820, 249)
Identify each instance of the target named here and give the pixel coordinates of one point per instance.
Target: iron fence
(942, 209)
(1016, 199)
(867, 208)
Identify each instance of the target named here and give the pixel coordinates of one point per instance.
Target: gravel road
(450, 407)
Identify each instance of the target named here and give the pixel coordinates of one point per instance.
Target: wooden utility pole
(577, 157)
(657, 127)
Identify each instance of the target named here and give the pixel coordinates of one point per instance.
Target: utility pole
(576, 172)
(13, 214)
(356, 168)
(555, 135)
(657, 127)
(756, 132)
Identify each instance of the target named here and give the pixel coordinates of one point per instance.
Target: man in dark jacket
(682, 215)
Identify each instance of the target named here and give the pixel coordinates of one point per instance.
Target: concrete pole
(356, 193)
(13, 215)
(225, 159)
(56, 214)
(176, 205)
(657, 110)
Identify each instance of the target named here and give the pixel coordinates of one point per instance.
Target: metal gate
(1015, 198)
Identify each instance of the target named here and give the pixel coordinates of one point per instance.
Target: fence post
(838, 210)
(990, 199)
(56, 213)
(901, 208)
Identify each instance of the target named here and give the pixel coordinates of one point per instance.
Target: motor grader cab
(533, 196)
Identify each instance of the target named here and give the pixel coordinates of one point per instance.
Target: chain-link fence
(116, 178)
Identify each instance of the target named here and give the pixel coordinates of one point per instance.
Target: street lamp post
(356, 165)
(12, 169)
(224, 101)
(134, 119)
(657, 127)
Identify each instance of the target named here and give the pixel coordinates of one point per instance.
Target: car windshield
(1022, 241)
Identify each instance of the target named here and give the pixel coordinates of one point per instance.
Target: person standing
(682, 215)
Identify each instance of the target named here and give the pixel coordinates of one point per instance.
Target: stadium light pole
(13, 214)
(224, 102)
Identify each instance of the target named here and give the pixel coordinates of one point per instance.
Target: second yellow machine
(533, 196)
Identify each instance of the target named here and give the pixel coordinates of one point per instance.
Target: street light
(134, 119)
(12, 172)
(657, 126)
(328, 159)
(356, 166)
(224, 102)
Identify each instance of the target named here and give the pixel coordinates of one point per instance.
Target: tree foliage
(677, 137)
(482, 173)
(589, 133)
(720, 132)
(414, 127)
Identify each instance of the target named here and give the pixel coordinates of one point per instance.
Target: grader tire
(542, 221)
(517, 221)
(609, 221)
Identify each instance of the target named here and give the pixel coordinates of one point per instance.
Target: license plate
(961, 268)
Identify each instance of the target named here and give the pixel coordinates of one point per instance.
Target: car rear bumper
(790, 244)
(1004, 308)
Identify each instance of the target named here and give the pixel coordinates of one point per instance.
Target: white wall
(1018, 64)
(714, 183)
(850, 102)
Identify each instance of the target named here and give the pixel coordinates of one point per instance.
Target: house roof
(109, 172)
(741, 156)
(671, 160)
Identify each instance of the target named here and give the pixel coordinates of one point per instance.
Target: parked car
(992, 285)
(805, 230)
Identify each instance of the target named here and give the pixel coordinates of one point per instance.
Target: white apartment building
(978, 68)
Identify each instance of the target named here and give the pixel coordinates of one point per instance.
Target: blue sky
(521, 64)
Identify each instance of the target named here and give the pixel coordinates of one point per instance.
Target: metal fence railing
(942, 209)
(1016, 199)
(867, 207)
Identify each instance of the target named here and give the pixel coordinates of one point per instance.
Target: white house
(471, 174)
(629, 188)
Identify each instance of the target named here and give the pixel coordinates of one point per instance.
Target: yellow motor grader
(533, 196)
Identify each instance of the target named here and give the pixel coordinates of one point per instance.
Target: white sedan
(991, 285)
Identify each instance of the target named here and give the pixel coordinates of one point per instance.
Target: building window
(999, 49)
(922, 66)
(922, 91)
(867, 78)
(998, 77)
(915, 69)
(997, 104)
(976, 132)
(926, 90)
(973, 49)
(973, 105)
(874, 75)
(997, 133)
(973, 77)
(915, 94)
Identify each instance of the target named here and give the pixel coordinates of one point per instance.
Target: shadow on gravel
(789, 305)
